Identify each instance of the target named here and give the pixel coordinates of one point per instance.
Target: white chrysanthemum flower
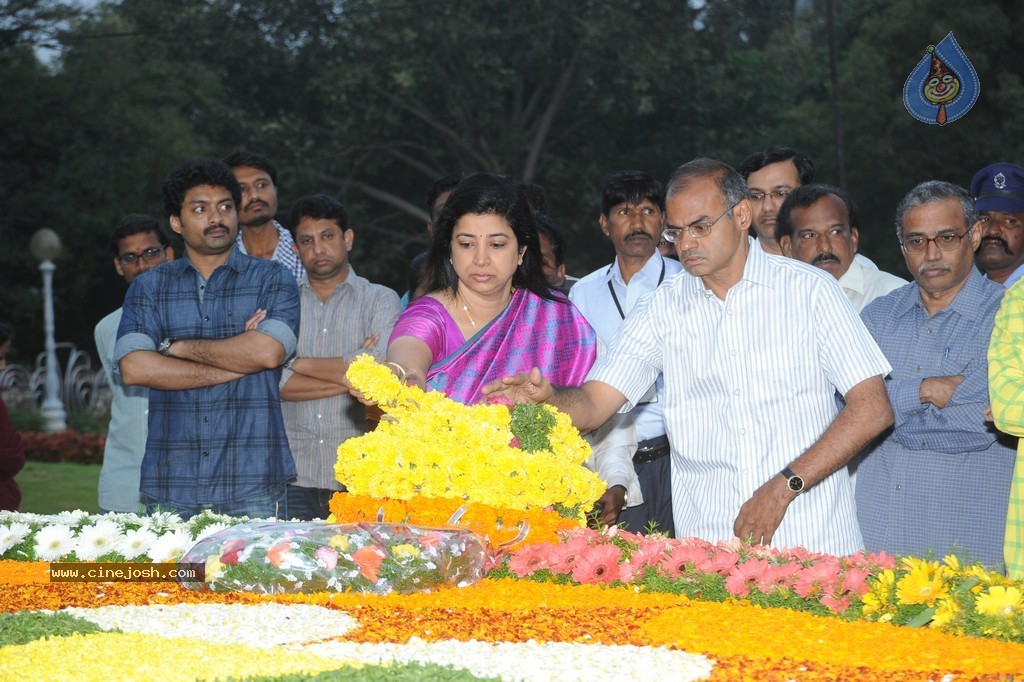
(161, 522)
(71, 518)
(136, 543)
(53, 542)
(12, 534)
(98, 539)
(170, 547)
(210, 530)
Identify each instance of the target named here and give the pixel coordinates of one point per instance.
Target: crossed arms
(198, 363)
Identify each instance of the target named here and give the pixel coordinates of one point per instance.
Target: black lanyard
(615, 298)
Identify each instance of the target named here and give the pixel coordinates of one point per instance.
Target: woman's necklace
(465, 309)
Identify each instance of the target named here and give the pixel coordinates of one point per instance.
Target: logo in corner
(943, 86)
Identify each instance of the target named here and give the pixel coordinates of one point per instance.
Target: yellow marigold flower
(924, 583)
(999, 601)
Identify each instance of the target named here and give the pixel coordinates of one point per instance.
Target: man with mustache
(941, 478)
(260, 235)
(632, 216)
(998, 191)
(343, 315)
(818, 224)
(207, 335)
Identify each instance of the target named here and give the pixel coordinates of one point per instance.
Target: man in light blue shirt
(139, 244)
(941, 479)
(632, 210)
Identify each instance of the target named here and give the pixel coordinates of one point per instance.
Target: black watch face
(796, 484)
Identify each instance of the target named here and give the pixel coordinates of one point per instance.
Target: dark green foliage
(372, 101)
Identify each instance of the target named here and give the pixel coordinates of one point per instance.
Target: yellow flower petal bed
(496, 524)
(720, 629)
(110, 656)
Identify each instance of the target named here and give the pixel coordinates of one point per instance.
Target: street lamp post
(45, 246)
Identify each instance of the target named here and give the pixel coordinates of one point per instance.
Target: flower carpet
(460, 553)
(530, 620)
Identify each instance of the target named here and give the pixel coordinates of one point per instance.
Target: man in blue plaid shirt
(208, 334)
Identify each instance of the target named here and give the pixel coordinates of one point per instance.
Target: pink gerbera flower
(565, 555)
(682, 558)
(855, 580)
(741, 575)
(722, 562)
(817, 579)
(834, 604)
(597, 565)
(777, 576)
(530, 559)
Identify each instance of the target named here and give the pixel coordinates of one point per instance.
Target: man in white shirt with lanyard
(632, 216)
(753, 348)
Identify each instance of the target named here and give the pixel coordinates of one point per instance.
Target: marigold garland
(428, 445)
(497, 524)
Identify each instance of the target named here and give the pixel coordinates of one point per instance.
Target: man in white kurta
(753, 348)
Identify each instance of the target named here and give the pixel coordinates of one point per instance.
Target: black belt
(651, 449)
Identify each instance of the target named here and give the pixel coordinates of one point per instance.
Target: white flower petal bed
(531, 661)
(293, 625)
(260, 625)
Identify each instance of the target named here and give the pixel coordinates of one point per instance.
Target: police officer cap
(999, 187)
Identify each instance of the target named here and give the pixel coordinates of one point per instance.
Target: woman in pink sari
(488, 312)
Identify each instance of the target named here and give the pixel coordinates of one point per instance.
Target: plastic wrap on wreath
(373, 558)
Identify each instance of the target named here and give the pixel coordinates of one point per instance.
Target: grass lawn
(50, 487)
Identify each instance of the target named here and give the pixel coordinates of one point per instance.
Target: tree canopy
(373, 100)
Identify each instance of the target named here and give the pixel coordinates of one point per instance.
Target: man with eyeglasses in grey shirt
(139, 244)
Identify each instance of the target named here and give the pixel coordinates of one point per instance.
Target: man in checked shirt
(343, 315)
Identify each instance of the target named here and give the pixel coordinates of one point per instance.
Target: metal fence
(83, 388)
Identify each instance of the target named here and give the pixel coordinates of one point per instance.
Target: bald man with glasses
(753, 348)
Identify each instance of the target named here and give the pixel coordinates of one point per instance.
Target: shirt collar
(651, 270)
(237, 261)
(853, 278)
(965, 303)
(353, 280)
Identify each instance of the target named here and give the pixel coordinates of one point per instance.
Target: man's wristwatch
(796, 484)
(165, 346)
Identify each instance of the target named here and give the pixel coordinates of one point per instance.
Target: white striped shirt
(750, 384)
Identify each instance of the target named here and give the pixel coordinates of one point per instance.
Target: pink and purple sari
(531, 332)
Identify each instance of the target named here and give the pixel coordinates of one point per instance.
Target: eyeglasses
(778, 195)
(948, 241)
(149, 255)
(698, 231)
